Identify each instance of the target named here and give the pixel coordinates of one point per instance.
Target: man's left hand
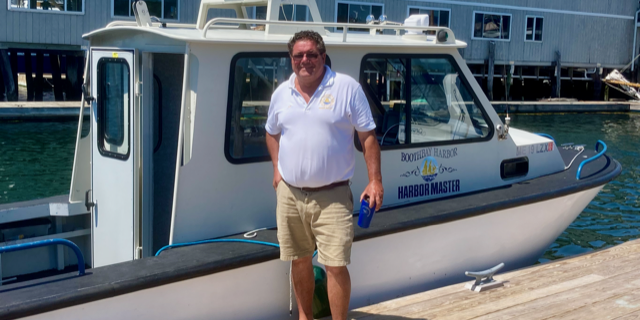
(375, 192)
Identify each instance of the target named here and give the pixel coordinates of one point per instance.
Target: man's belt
(327, 187)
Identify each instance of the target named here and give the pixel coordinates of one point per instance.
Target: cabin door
(113, 156)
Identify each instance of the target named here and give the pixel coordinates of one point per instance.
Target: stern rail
(345, 27)
(50, 242)
(585, 161)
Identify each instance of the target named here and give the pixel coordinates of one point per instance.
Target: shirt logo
(327, 102)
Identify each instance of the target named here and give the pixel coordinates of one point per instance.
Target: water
(613, 216)
(36, 160)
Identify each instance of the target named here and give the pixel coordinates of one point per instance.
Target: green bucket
(320, 294)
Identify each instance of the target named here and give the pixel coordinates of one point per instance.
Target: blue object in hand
(366, 214)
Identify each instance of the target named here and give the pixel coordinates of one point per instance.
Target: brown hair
(307, 35)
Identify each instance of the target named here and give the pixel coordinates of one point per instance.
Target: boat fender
(320, 295)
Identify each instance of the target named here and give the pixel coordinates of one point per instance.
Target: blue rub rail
(49, 242)
(585, 161)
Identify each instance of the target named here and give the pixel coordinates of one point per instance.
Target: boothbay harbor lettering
(428, 189)
(429, 152)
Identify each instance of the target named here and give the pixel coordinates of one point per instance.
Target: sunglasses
(310, 56)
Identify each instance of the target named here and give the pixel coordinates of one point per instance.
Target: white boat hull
(382, 268)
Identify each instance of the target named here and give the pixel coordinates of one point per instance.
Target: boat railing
(49, 242)
(585, 161)
(448, 37)
(123, 23)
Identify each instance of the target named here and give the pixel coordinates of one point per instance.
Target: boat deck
(600, 285)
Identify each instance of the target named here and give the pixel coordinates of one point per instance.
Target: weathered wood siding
(581, 39)
(46, 27)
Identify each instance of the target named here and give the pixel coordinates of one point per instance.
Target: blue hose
(215, 240)
(604, 149)
(220, 240)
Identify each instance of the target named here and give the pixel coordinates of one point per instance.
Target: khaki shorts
(310, 218)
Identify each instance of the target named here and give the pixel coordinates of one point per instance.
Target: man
(310, 128)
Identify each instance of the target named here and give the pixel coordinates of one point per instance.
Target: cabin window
(71, 6)
(533, 31)
(357, 12)
(163, 9)
(491, 26)
(430, 104)
(113, 107)
(437, 17)
(253, 78)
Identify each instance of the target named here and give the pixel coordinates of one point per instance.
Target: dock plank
(620, 305)
(568, 288)
(520, 281)
(631, 316)
(470, 311)
(568, 301)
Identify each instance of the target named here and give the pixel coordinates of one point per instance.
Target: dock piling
(558, 75)
(39, 78)
(28, 67)
(10, 85)
(54, 62)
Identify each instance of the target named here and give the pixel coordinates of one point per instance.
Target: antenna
(141, 12)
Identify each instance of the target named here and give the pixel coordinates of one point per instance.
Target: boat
(173, 175)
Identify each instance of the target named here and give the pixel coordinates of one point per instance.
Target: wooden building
(519, 44)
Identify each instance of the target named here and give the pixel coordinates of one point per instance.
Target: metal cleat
(484, 279)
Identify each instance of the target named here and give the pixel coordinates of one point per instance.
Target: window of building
(357, 12)
(533, 31)
(254, 77)
(432, 103)
(437, 17)
(163, 9)
(113, 107)
(70, 6)
(491, 26)
(287, 12)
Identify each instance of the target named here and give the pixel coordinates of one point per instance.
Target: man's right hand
(276, 178)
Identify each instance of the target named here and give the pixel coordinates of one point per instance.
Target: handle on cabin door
(87, 202)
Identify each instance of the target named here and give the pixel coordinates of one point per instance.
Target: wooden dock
(600, 285)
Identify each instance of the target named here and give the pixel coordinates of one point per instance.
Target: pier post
(556, 86)
(597, 85)
(28, 73)
(492, 56)
(74, 78)
(1, 82)
(7, 77)
(14, 71)
(39, 78)
(54, 61)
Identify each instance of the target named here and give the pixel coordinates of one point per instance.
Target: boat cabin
(177, 153)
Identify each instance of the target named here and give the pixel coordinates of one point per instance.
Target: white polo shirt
(316, 145)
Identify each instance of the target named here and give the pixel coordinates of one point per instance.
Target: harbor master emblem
(429, 169)
(327, 101)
